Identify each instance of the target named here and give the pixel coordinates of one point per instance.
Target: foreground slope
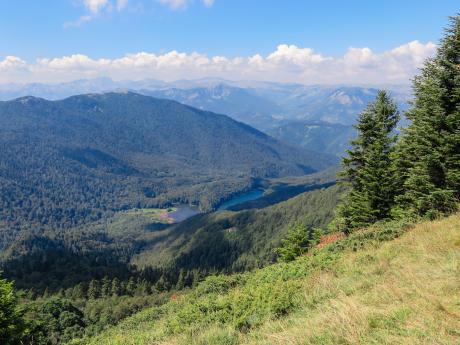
(390, 284)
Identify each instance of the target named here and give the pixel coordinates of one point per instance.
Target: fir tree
(78, 291)
(296, 243)
(94, 290)
(429, 152)
(106, 287)
(181, 279)
(116, 287)
(160, 285)
(367, 169)
(131, 286)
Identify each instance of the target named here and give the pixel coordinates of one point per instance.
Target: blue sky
(111, 29)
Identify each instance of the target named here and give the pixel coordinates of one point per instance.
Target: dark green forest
(68, 165)
(70, 162)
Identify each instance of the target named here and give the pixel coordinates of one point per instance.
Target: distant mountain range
(332, 138)
(286, 111)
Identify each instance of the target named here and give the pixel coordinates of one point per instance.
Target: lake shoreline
(241, 198)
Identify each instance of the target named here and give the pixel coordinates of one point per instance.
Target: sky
(303, 41)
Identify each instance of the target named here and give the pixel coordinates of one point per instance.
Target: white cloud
(208, 3)
(12, 63)
(94, 6)
(181, 4)
(288, 63)
(78, 22)
(175, 4)
(121, 4)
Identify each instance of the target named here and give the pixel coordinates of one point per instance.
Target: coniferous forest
(83, 262)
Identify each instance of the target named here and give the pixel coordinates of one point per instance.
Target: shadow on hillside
(41, 262)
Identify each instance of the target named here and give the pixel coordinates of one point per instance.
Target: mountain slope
(132, 149)
(132, 240)
(359, 290)
(123, 125)
(276, 108)
(326, 137)
(236, 102)
(228, 241)
(332, 104)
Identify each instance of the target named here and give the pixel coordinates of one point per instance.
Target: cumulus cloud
(287, 63)
(12, 63)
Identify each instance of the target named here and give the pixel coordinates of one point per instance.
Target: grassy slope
(360, 290)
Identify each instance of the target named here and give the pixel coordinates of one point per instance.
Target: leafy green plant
(13, 328)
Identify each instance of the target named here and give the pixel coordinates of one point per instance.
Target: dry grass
(405, 291)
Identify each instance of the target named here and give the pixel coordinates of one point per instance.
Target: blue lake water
(184, 212)
(240, 198)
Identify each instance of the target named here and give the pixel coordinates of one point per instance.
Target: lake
(240, 198)
(184, 212)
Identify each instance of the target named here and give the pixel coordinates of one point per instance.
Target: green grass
(138, 220)
(155, 215)
(390, 284)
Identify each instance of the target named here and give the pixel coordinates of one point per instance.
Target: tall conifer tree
(367, 169)
(429, 152)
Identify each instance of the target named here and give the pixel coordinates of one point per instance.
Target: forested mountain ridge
(281, 110)
(63, 163)
(327, 137)
(126, 123)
